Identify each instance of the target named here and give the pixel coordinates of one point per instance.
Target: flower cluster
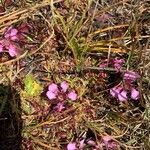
(60, 93)
(120, 91)
(10, 40)
(115, 63)
(107, 142)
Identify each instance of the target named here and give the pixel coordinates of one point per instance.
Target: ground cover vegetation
(74, 75)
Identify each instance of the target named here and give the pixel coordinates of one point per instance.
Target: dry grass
(67, 41)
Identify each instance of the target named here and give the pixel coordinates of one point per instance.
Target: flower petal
(122, 96)
(64, 86)
(12, 50)
(91, 143)
(60, 107)
(53, 88)
(131, 75)
(7, 32)
(106, 139)
(118, 63)
(109, 143)
(112, 145)
(72, 95)
(104, 64)
(115, 91)
(82, 144)
(71, 146)
(134, 94)
(51, 95)
(1, 47)
(13, 32)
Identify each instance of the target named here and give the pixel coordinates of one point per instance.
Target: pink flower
(104, 64)
(51, 95)
(60, 107)
(10, 37)
(53, 88)
(115, 63)
(134, 94)
(106, 139)
(64, 86)
(91, 143)
(52, 91)
(1, 47)
(122, 96)
(11, 34)
(12, 49)
(115, 91)
(71, 146)
(131, 76)
(60, 94)
(118, 63)
(72, 95)
(9, 46)
(119, 93)
(82, 144)
(109, 143)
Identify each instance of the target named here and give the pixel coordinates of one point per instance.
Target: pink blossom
(9, 46)
(91, 143)
(53, 88)
(122, 96)
(60, 93)
(112, 145)
(72, 95)
(115, 91)
(131, 75)
(134, 94)
(60, 107)
(109, 143)
(118, 63)
(12, 49)
(51, 95)
(11, 34)
(104, 64)
(82, 144)
(119, 93)
(52, 91)
(71, 146)
(106, 139)
(64, 86)
(1, 47)
(115, 63)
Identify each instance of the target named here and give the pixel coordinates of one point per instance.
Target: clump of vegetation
(81, 69)
(31, 86)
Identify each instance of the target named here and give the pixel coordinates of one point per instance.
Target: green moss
(32, 87)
